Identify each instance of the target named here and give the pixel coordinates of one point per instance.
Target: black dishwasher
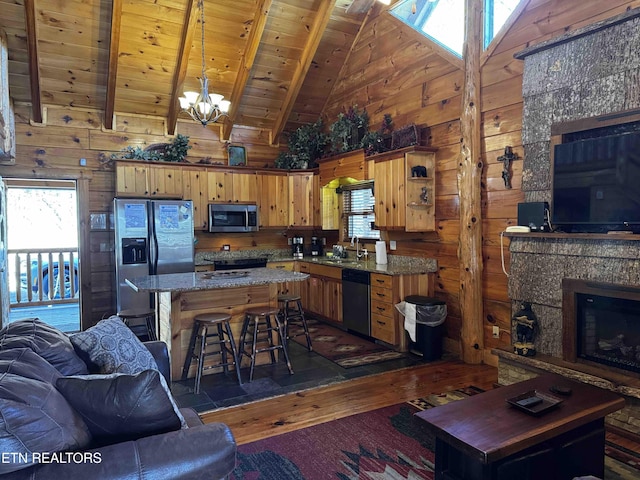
(356, 309)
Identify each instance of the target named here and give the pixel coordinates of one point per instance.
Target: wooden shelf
(419, 204)
(420, 179)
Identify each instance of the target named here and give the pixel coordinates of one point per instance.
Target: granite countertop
(188, 282)
(420, 266)
(398, 264)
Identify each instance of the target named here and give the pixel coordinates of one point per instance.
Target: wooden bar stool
(149, 316)
(259, 325)
(294, 316)
(201, 335)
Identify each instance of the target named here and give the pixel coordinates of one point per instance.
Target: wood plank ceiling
(276, 60)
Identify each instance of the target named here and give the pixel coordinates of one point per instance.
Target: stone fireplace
(601, 324)
(582, 80)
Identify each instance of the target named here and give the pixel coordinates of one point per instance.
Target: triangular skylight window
(443, 20)
(496, 14)
(440, 20)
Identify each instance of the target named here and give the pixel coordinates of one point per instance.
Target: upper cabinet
(273, 199)
(7, 125)
(194, 188)
(232, 187)
(303, 199)
(405, 189)
(132, 179)
(139, 179)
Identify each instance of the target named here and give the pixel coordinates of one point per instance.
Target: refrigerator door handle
(153, 244)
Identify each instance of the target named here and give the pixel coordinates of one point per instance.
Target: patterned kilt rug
(384, 444)
(341, 347)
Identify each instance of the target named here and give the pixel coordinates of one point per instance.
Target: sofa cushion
(35, 418)
(120, 407)
(111, 347)
(48, 342)
(26, 363)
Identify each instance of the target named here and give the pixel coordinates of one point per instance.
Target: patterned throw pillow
(111, 347)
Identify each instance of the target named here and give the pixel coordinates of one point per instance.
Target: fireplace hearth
(601, 324)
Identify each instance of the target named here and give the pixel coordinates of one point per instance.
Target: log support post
(469, 191)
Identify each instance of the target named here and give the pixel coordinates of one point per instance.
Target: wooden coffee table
(485, 437)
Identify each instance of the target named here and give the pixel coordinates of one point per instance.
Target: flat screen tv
(596, 185)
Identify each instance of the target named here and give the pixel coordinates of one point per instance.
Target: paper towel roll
(381, 252)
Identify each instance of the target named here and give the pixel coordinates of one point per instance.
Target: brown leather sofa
(42, 436)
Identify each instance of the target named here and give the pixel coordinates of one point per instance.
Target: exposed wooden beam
(315, 35)
(179, 74)
(32, 52)
(359, 6)
(246, 63)
(469, 192)
(114, 53)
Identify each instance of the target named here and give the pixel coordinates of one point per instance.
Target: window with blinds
(357, 212)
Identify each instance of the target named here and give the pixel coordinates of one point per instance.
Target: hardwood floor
(266, 418)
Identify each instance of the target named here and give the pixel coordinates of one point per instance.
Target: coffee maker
(297, 247)
(316, 246)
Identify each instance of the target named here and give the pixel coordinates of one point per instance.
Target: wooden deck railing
(43, 276)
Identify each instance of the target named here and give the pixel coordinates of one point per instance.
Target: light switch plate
(392, 244)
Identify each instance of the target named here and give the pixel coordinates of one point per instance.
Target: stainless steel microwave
(224, 217)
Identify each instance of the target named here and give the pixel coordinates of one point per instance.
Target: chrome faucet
(357, 244)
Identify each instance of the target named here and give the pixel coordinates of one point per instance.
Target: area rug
(341, 347)
(384, 444)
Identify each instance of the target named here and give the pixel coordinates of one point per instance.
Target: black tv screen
(596, 185)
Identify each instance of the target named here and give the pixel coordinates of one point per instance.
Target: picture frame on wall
(237, 155)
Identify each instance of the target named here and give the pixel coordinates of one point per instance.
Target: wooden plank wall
(54, 150)
(392, 70)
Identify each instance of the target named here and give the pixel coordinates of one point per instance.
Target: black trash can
(430, 316)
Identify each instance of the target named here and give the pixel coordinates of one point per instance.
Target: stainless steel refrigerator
(152, 237)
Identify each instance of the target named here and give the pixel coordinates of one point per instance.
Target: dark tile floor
(310, 371)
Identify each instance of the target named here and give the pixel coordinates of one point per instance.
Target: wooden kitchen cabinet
(286, 288)
(194, 188)
(219, 186)
(301, 199)
(245, 187)
(384, 325)
(321, 293)
(399, 194)
(132, 179)
(273, 199)
(165, 182)
(387, 324)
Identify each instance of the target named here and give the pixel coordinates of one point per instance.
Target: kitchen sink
(344, 261)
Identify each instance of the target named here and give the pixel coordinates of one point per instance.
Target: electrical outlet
(226, 247)
(496, 331)
(392, 244)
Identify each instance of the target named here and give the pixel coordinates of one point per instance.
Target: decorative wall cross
(506, 159)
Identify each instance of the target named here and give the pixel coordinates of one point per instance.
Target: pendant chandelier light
(202, 106)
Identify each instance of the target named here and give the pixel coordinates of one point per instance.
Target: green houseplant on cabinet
(306, 145)
(176, 151)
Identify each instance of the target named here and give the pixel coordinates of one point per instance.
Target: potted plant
(176, 151)
(306, 145)
(348, 131)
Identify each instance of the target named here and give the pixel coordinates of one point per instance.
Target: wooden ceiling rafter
(322, 17)
(112, 74)
(180, 73)
(246, 63)
(32, 51)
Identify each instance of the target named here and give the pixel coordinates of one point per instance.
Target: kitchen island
(182, 296)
